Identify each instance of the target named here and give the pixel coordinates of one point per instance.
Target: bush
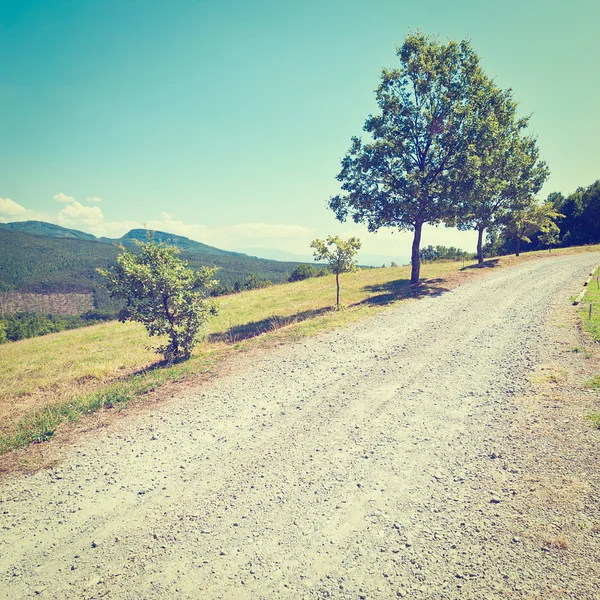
(302, 272)
(162, 294)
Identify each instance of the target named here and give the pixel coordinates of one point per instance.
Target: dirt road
(390, 459)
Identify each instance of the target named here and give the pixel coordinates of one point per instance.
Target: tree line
(23, 325)
(577, 223)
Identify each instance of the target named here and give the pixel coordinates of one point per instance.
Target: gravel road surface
(378, 461)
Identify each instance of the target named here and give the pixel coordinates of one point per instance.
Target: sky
(226, 121)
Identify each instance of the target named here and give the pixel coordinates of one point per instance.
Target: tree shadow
(486, 264)
(253, 329)
(400, 289)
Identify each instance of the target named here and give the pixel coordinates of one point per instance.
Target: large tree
(502, 172)
(406, 175)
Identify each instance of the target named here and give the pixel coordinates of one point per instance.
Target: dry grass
(559, 542)
(555, 491)
(62, 375)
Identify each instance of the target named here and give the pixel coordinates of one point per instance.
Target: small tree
(549, 235)
(523, 223)
(340, 257)
(162, 294)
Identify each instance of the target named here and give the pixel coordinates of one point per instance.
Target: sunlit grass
(55, 378)
(589, 309)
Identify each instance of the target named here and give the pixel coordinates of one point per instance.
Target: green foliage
(162, 294)
(25, 325)
(340, 257)
(303, 272)
(433, 253)
(254, 283)
(581, 222)
(520, 224)
(502, 172)
(45, 264)
(431, 109)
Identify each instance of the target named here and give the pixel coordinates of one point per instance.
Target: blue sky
(226, 121)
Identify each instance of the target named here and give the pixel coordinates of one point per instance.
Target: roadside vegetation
(61, 377)
(589, 312)
(23, 325)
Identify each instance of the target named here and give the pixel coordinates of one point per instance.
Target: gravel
(383, 460)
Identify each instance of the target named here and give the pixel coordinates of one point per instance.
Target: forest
(48, 264)
(578, 224)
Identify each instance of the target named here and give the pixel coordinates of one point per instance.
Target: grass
(589, 312)
(591, 300)
(58, 378)
(61, 377)
(595, 419)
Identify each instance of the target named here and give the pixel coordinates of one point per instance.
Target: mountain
(56, 262)
(184, 243)
(42, 228)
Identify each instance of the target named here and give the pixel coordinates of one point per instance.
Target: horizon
(226, 124)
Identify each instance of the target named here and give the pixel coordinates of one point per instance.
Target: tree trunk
(518, 252)
(415, 259)
(480, 231)
(337, 284)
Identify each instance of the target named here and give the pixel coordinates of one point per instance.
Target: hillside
(61, 261)
(184, 243)
(42, 228)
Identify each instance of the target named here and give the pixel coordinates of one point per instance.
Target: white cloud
(60, 197)
(93, 199)
(75, 214)
(294, 239)
(9, 209)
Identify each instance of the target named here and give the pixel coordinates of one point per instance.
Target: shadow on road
(402, 288)
(246, 331)
(486, 264)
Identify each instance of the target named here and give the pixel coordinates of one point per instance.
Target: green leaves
(163, 294)
(406, 174)
(445, 147)
(339, 254)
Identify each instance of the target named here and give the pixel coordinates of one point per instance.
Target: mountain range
(45, 258)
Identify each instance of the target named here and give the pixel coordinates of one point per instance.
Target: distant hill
(42, 228)
(55, 262)
(184, 243)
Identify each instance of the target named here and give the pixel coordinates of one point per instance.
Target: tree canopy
(446, 147)
(429, 109)
(523, 223)
(162, 294)
(339, 254)
(502, 172)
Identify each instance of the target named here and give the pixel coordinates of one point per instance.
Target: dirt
(438, 450)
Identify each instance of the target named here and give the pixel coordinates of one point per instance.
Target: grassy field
(590, 307)
(589, 312)
(58, 378)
